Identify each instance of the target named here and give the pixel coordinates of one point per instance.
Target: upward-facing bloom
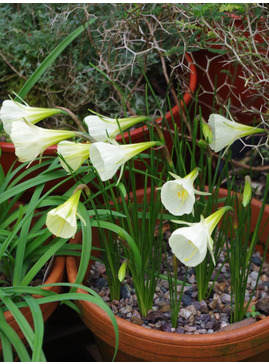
(62, 221)
(178, 196)
(225, 131)
(190, 244)
(74, 154)
(30, 140)
(14, 111)
(108, 158)
(102, 128)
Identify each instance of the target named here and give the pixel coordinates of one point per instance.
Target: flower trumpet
(108, 158)
(225, 131)
(30, 141)
(62, 221)
(190, 244)
(74, 154)
(178, 196)
(14, 111)
(102, 128)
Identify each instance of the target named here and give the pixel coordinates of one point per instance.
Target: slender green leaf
(38, 355)
(124, 235)
(9, 336)
(86, 242)
(50, 59)
(20, 319)
(59, 242)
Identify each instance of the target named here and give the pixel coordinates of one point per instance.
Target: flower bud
(122, 270)
(207, 132)
(202, 144)
(247, 192)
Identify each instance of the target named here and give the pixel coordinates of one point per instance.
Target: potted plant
(24, 242)
(32, 263)
(133, 221)
(218, 229)
(140, 343)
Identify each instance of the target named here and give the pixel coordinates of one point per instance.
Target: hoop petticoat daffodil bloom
(178, 196)
(62, 221)
(74, 154)
(225, 131)
(190, 244)
(30, 140)
(107, 158)
(14, 111)
(102, 128)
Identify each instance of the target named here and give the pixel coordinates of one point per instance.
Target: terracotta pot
(55, 276)
(214, 72)
(137, 343)
(140, 134)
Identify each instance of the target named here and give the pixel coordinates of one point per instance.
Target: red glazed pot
(56, 275)
(137, 343)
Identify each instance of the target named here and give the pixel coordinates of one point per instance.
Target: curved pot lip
(172, 338)
(135, 330)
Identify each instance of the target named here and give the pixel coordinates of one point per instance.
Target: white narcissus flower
(74, 154)
(102, 128)
(62, 221)
(178, 196)
(108, 158)
(190, 244)
(225, 131)
(14, 111)
(30, 140)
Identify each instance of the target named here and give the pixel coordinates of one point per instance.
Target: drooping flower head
(225, 131)
(178, 196)
(62, 221)
(74, 154)
(108, 158)
(102, 128)
(30, 140)
(190, 244)
(14, 111)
